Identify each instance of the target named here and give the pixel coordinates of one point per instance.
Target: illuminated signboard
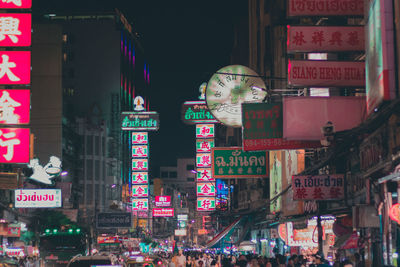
(15, 106)
(204, 145)
(140, 177)
(163, 201)
(204, 175)
(163, 212)
(140, 204)
(140, 164)
(11, 4)
(196, 112)
(325, 8)
(319, 187)
(203, 160)
(140, 151)
(15, 67)
(205, 203)
(14, 145)
(180, 232)
(140, 121)
(15, 29)
(205, 189)
(205, 131)
(140, 190)
(228, 88)
(140, 138)
(38, 198)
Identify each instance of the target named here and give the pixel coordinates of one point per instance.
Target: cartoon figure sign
(44, 174)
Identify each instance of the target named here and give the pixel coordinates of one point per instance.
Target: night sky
(185, 42)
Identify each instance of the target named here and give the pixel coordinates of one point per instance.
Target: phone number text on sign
(320, 187)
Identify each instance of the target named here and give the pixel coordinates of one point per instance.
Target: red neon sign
(394, 213)
(14, 106)
(15, 67)
(14, 145)
(6, 4)
(163, 201)
(163, 212)
(15, 29)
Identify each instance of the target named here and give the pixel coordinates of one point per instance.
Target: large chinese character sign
(15, 67)
(14, 106)
(15, 4)
(15, 29)
(14, 145)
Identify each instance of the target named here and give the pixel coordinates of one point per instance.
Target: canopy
(228, 230)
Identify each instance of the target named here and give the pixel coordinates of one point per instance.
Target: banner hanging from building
(325, 38)
(322, 73)
(325, 8)
(320, 187)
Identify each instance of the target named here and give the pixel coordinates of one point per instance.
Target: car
(94, 260)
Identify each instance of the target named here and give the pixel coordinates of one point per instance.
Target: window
(190, 179)
(89, 169)
(97, 194)
(97, 170)
(173, 175)
(103, 145)
(164, 174)
(97, 145)
(89, 145)
(189, 167)
(89, 194)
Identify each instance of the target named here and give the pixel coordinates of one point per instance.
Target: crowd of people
(212, 260)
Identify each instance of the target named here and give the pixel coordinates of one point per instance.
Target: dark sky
(185, 42)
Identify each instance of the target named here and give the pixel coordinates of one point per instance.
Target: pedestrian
(189, 261)
(180, 260)
(201, 263)
(318, 260)
(172, 262)
(347, 263)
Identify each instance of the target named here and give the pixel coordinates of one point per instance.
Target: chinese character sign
(15, 106)
(140, 204)
(140, 190)
(205, 131)
(11, 4)
(321, 187)
(14, 145)
(15, 67)
(203, 160)
(140, 164)
(205, 189)
(140, 138)
(15, 29)
(204, 145)
(204, 175)
(140, 151)
(140, 178)
(205, 203)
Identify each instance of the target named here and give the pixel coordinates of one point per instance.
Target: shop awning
(229, 229)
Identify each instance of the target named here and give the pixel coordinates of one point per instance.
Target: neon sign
(15, 29)
(394, 213)
(140, 121)
(6, 4)
(14, 106)
(140, 204)
(49, 171)
(15, 67)
(14, 145)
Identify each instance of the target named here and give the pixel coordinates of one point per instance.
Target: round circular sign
(228, 88)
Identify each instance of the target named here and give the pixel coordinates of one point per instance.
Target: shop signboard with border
(114, 220)
(194, 112)
(319, 187)
(37, 198)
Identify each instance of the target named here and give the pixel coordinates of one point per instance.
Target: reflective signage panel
(140, 151)
(140, 204)
(15, 67)
(204, 175)
(15, 29)
(140, 190)
(205, 131)
(140, 165)
(14, 145)
(11, 4)
(206, 203)
(140, 177)
(163, 212)
(38, 198)
(140, 138)
(205, 189)
(15, 106)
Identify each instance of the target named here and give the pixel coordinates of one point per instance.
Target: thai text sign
(326, 73)
(14, 145)
(15, 106)
(140, 204)
(325, 38)
(205, 203)
(325, 7)
(276, 144)
(205, 189)
(140, 165)
(140, 178)
(204, 145)
(114, 220)
(232, 162)
(163, 212)
(140, 151)
(140, 121)
(11, 4)
(140, 190)
(15, 67)
(15, 29)
(140, 138)
(163, 201)
(205, 131)
(196, 112)
(38, 198)
(321, 187)
(204, 175)
(203, 160)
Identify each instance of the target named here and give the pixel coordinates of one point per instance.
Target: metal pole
(320, 233)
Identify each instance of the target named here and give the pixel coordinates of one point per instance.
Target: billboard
(233, 162)
(194, 112)
(163, 212)
(15, 29)
(323, 73)
(325, 8)
(140, 121)
(15, 67)
(37, 198)
(140, 138)
(15, 106)
(320, 187)
(163, 201)
(14, 145)
(11, 4)
(114, 220)
(205, 203)
(325, 38)
(205, 131)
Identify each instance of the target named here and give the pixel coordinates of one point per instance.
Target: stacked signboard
(15, 79)
(197, 113)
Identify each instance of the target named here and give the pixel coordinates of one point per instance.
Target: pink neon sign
(15, 29)
(6, 4)
(163, 201)
(14, 145)
(15, 67)
(14, 106)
